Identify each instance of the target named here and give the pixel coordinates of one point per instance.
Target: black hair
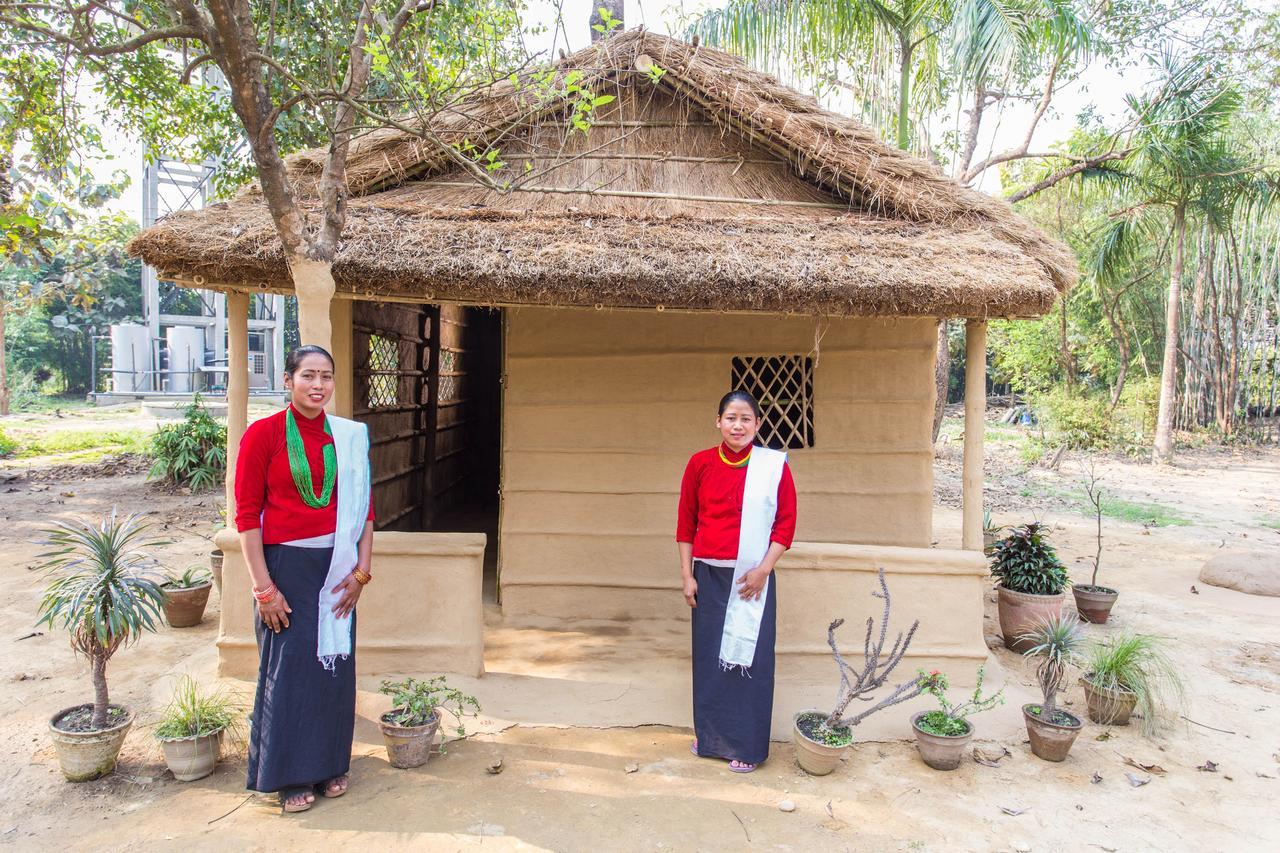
(294, 360)
(739, 396)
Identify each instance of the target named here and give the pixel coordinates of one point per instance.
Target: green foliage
(195, 712)
(414, 702)
(1056, 642)
(192, 453)
(952, 719)
(1024, 561)
(8, 446)
(104, 590)
(1139, 664)
(192, 577)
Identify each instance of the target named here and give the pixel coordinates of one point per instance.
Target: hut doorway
(428, 382)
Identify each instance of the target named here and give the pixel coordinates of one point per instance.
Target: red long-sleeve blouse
(710, 513)
(266, 496)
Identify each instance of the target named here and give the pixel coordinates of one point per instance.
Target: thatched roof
(713, 188)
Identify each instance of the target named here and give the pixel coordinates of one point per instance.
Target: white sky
(1100, 86)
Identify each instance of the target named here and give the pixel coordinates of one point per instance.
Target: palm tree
(1184, 164)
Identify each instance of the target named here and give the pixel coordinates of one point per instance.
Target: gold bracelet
(362, 577)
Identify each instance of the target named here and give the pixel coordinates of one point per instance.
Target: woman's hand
(275, 613)
(691, 591)
(350, 589)
(752, 583)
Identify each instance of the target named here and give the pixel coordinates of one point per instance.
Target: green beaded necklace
(300, 466)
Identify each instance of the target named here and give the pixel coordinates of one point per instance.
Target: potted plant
(942, 735)
(410, 726)
(1056, 642)
(1032, 582)
(1094, 602)
(185, 597)
(1131, 670)
(104, 594)
(190, 729)
(821, 739)
(990, 533)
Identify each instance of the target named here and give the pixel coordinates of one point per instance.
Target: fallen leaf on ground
(1209, 767)
(1097, 777)
(1154, 769)
(1012, 812)
(633, 768)
(1194, 591)
(988, 759)
(829, 811)
(495, 767)
(1106, 735)
(1135, 781)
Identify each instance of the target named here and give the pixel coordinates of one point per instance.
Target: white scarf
(351, 447)
(759, 508)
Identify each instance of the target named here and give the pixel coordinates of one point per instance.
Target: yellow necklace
(738, 464)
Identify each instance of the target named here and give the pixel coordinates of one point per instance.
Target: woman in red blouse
(305, 517)
(731, 712)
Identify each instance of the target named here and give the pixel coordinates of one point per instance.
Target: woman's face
(738, 425)
(311, 385)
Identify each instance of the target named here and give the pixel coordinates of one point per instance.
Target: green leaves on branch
(415, 703)
(1024, 561)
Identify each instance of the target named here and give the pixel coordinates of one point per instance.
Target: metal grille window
(384, 372)
(784, 386)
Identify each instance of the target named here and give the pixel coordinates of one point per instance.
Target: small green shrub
(194, 713)
(7, 445)
(1024, 561)
(951, 720)
(414, 702)
(1079, 420)
(1138, 664)
(192, 453)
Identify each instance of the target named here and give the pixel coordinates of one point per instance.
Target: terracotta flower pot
(815, 757)
(1051, 741)
(1107, 706)
(1020, 612)
(192, 758)
(1094, 603)
(408, 746)
(184, 607)
(88, 755)
(215, 566)
(941, 752)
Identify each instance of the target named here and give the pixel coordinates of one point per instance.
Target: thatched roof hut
(713, 187)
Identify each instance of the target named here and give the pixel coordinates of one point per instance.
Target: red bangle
(264, 596)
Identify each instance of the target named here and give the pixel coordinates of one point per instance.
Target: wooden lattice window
(384, 372)
(783, 384)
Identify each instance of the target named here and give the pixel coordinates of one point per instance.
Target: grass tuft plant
(194, 712)
(1138, 664)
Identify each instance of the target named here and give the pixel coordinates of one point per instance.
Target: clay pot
(184, 607)
(814, 758)
(1020, 612)
(215, 566)
(192, 758)
(1094, 603)
(1051, 741)
(88, 755)
(941, 752)
(409, 746)
(1107, 706)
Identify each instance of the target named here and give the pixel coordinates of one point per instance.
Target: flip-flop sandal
(694, 748)
(326, 787)
(294, 808)
(742, 767)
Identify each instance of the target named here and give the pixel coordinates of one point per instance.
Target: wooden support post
(237, 388)
(975, 409)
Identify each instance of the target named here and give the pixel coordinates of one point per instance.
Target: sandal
(287, 794)
(335, 787)
(694, 748)
(741, 766)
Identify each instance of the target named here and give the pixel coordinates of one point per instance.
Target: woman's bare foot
(296, 799)
(337, 786)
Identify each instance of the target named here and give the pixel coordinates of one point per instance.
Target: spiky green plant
(105, 591)
(195, 712)
(191, 453)
(1057, 643)
(1139, 664)
(1024, 561)
(193, 576)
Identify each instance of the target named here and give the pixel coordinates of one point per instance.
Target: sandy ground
(611, 783)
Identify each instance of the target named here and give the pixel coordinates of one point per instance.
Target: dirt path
(570, 789)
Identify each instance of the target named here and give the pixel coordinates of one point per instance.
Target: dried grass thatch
(716, 188)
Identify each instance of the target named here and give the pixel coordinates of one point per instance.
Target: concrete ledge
(422, 615)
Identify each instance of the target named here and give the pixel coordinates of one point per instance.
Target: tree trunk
(4, 367)
(100, 699)
(904, 92)
(1121, 337)
(314, 285)
(1163, 451)
(1068, 363)
(941, 374)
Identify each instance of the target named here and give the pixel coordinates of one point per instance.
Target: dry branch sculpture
(876, 667)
